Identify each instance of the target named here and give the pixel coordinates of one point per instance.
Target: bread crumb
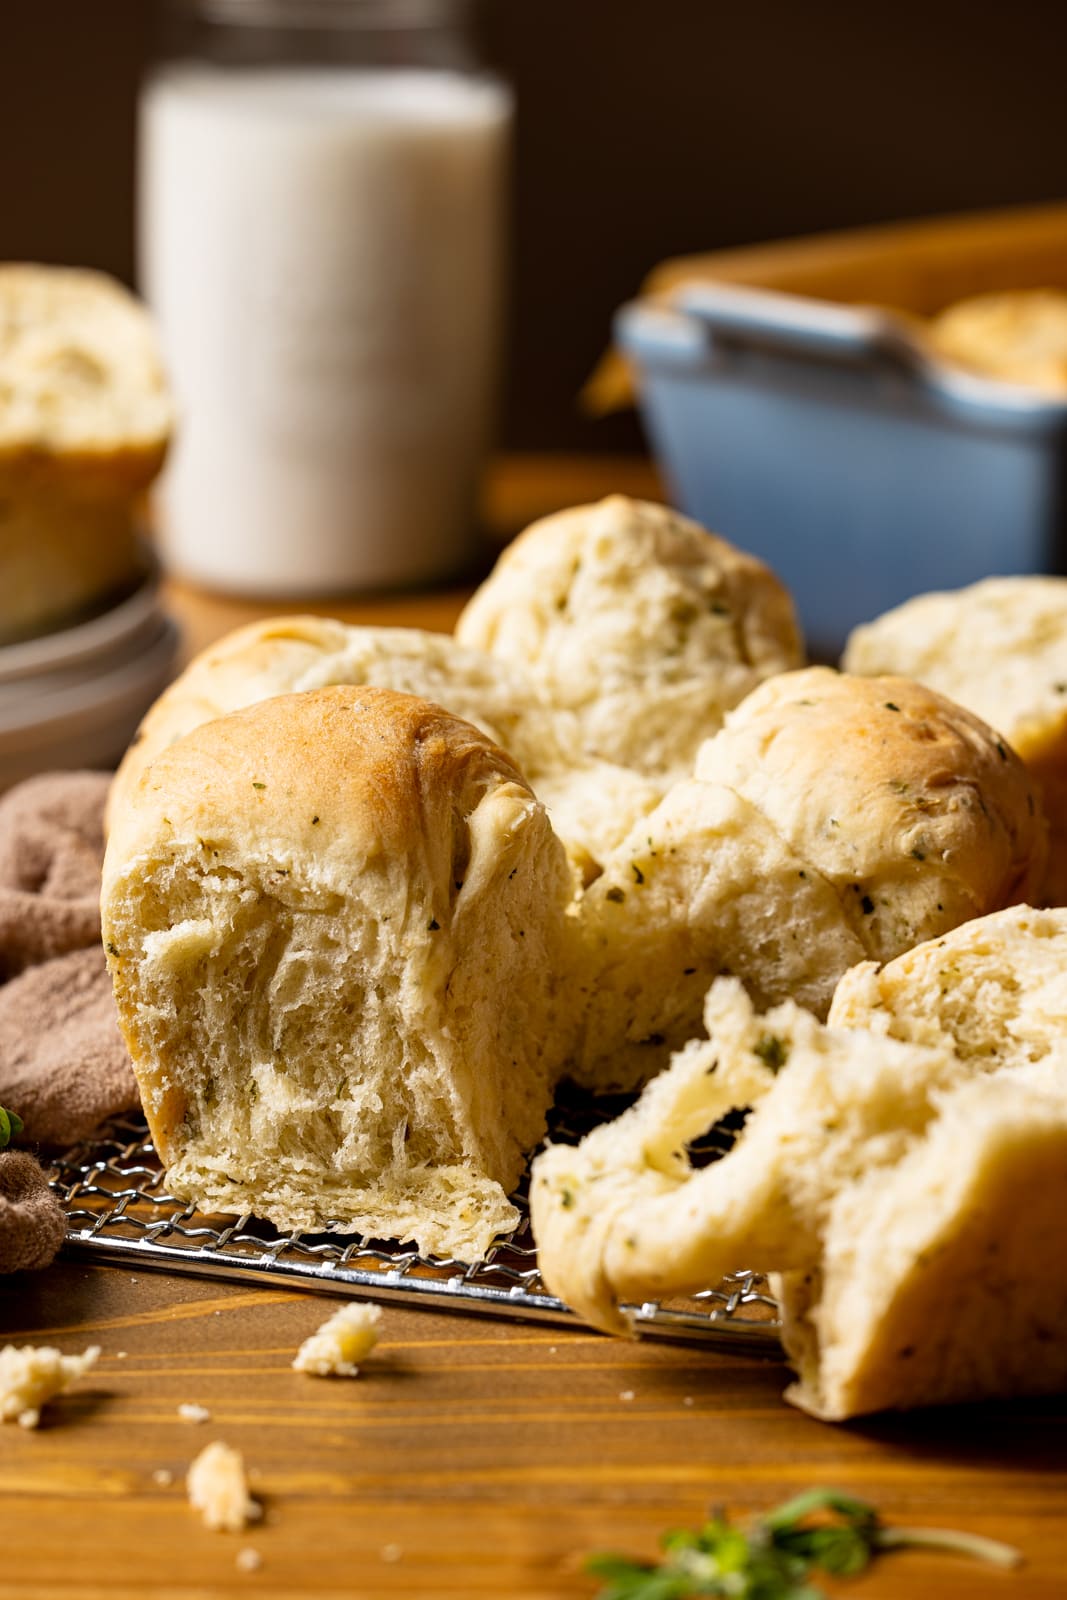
(687, 1400)
(120, 1355)
(248, 1560)
(626, 1394)
(163, 1477)
(30, 1375)
(391, 1552)
(194, 1413)
(218, 1489)
(344, 1340)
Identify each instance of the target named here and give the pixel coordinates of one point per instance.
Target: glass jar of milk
(321, 220)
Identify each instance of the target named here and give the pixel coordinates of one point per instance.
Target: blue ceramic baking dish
(827, 440)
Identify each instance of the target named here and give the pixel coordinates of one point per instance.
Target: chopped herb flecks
(772, 1051)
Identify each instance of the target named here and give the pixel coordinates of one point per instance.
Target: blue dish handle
(791, 324)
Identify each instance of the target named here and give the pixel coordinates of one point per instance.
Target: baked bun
(593, 804)
(287, 655)
(1015, 678)
(909, 1202)
(84, 425)
(635, 619)
(1019, 337)
(832, 819)
(333, 923)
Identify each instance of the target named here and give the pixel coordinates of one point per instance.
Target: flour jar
(322, 189)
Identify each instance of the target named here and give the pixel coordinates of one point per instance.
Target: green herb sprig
(774, 1556)
(10, 1127)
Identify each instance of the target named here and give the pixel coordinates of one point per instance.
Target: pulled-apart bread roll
(909, 1202)
(639, 622)
(85, 418)
(999, 648)
(994, 990)
(287, 655)
(333, 923)
(831, 819)
(593, 803)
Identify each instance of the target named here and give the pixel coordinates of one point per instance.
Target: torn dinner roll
(833, 818)
(637, 621)
(994, 991)
(592, 803)
(288, 655)
(334, 925)
(908, 1201)
(999, 648)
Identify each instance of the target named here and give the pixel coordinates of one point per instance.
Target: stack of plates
(74, 698)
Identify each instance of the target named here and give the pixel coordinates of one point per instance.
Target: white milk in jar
(322, 248)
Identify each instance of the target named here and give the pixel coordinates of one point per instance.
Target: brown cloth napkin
(63, 1064)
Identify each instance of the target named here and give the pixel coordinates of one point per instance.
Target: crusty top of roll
(285, 655)
(360, 775)
(638, 619)
(81, 372)
(998, 647)
(916, 810)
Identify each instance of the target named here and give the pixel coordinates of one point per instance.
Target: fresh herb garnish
(773, 1557)
(772, 1051)
(10, 1127)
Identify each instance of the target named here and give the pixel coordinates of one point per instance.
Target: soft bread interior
(364, 1036)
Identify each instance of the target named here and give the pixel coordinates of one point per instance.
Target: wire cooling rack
(119, 1211)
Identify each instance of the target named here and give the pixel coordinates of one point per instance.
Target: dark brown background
(647, 127)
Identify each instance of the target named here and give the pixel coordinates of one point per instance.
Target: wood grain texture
(493, 1455)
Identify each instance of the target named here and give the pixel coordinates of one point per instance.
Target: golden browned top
(333, 778)
(914, 807)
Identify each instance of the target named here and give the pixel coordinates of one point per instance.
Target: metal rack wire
(119, 1211)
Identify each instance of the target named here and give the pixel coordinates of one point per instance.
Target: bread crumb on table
(31, 1375)
(218, 1489)
(248, 1560)
(391, 1552)
(194, 1413)
(163, 1477)
(344, 1340)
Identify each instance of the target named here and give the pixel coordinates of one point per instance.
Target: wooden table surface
(473, 1457)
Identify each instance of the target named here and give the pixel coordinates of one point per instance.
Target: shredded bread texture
(31, 1375)
(313, 910)
(343, 1341)
(907, 1198)
(218, 1489)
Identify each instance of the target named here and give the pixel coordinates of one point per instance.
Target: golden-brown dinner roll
(85, 418)
(832, 819)
(593, 804)
(999, 648)
(1019, 337)
(908, 1201)
(333, 923)
(639, 622)
(286, 655)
